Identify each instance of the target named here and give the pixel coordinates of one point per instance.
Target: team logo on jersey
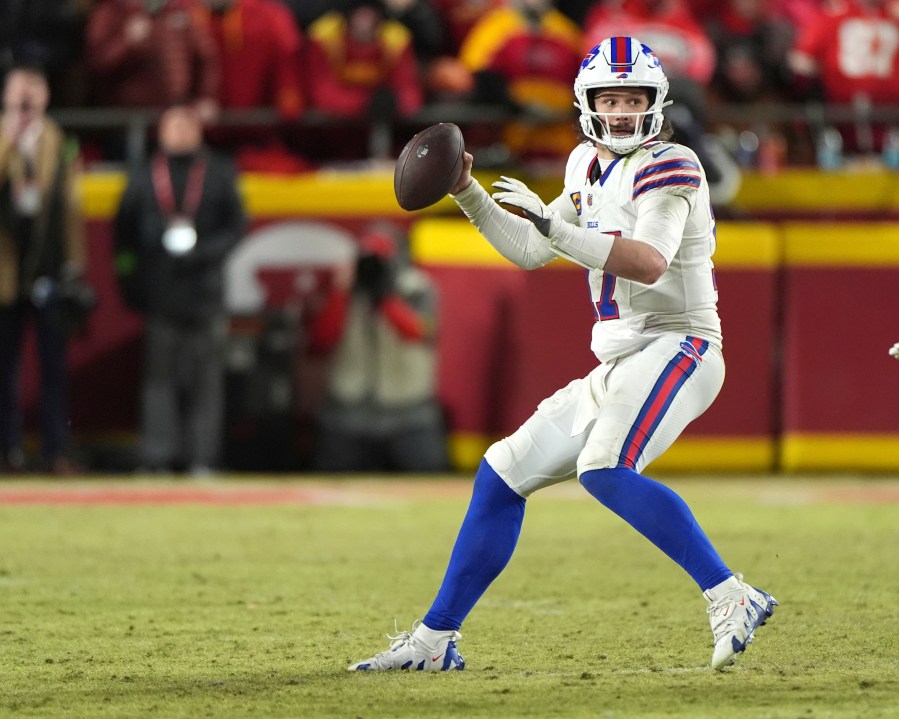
(593, 225)
(589, 199)
(576, 199)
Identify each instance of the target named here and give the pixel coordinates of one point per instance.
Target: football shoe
(409, 651)
(734, 616)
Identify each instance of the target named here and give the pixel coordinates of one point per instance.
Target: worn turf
(249, 598)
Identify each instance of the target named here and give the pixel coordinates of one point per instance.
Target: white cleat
(734, 616)
(408, 651)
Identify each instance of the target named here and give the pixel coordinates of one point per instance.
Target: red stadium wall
(808, 311)
(841, 314)
(511, 338)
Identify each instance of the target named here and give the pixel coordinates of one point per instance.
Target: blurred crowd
(367, 60)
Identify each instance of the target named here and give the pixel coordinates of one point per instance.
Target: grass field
(248, 598)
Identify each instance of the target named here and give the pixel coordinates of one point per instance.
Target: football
(429, 165)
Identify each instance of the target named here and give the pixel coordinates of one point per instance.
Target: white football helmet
(621, 62)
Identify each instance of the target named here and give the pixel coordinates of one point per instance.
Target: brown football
(429, 165)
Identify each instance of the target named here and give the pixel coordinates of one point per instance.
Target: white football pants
(625, 413)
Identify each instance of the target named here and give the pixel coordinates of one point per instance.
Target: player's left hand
(516, 193)
(894, 351)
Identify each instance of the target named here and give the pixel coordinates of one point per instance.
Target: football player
(635, 212)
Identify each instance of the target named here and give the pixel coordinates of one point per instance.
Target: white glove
(894, 351)
(516, 193)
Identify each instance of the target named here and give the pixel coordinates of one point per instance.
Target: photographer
(42, 260)
(381, 412)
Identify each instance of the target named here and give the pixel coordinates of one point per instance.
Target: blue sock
(661, 516)
(483, 548)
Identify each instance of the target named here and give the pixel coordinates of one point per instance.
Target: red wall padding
(508, 339)
(838, 325)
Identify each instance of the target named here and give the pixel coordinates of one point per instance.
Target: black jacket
(186, 288)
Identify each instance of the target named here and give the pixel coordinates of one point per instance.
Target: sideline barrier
(491, 310)
(809, 310)
(841, 315)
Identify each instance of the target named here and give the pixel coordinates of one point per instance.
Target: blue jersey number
(607, 308)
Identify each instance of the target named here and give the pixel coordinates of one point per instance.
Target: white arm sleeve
(661, 218)
(660, 224)
(587, 248)
(515, 238)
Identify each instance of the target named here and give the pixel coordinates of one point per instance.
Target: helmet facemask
(621, 62)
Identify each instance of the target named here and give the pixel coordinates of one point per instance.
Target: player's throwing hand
(894, 351)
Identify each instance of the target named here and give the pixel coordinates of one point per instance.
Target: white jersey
(629, 314)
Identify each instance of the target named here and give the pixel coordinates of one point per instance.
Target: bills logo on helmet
(652, 56)
(591, 56)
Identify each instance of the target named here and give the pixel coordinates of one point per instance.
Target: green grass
(233, 611)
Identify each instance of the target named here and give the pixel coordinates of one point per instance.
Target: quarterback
(635, 213)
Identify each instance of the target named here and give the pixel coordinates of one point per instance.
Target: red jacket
(854, 47)
(539, 64)
(177, 60)
(343, 75)
(259, 46)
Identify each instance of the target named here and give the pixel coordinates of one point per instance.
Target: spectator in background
(381, 411)
(425, 24)
(306, 12)
(49, 33)
(575, 9)
(850, 55)
(527, 53)
(444, 77)
(179, 218)
(42, 259)
(751, 42)
(447, 79)
(460, 16)
(259, 50)
(362, 64)
(797, 12)
(361, 68)
(152, 54)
